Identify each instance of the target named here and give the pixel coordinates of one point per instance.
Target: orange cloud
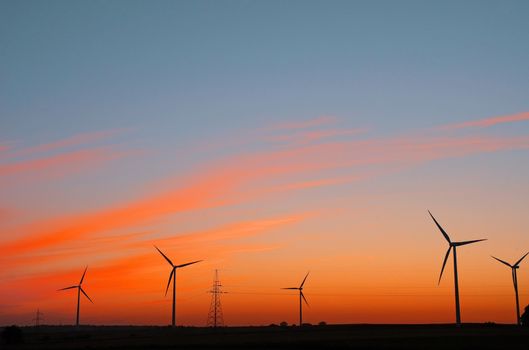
(221, 183)
(200, 242)
(130, 277)
(483, 123)
(202, 191)
(125, 243)
(234, 231)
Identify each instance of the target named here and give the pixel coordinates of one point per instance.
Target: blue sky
(215, 65)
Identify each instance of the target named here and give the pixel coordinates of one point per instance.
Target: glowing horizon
(116, 241)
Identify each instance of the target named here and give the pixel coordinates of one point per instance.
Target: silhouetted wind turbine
(515, 282)
(79, 291)
(301, 296)
(172, 276)
(453, 245)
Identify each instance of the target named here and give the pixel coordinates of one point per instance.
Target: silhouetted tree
(12, 335)
(525, 317)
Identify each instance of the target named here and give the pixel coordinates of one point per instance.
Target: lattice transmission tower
(215, 317)
(38, 318)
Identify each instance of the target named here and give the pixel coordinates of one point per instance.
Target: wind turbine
(301, 296)
(172, 277)
(79, 291)
(515, 282)
(453, 245)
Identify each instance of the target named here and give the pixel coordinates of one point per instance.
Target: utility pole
(215, 317)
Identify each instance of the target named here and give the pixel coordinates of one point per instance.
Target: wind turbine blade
(519, 261)
(169, 282)
(444, 263)
(82, 278)
(302, 283)
(166, 258)
(305, 300)
(440, 228)
(503, 262)
(296, 288)
(86, 295)
(72, 287)
(189, 263)
(468, 242)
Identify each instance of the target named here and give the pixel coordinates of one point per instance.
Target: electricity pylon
(38, 318)
(215, 318)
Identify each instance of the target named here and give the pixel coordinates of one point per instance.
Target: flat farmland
(475, 336)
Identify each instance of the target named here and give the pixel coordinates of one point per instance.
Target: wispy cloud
(61, 164)
(217, 242)
(306, 124)
(236, 230)
(309, 136)
(74, 140)
(127, 242)
(204, 189)
(76, 153)
(302, 131)
(222, 183)
(487, 122)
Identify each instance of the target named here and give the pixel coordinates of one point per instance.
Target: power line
(379, 294)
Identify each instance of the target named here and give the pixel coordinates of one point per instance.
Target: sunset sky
(270, 139)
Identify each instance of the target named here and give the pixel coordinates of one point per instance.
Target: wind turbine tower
(301, 298)
(453, 246)
(79, 291)
(515, 283)
(172, 277)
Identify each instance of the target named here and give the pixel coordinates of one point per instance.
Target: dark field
(331, 336)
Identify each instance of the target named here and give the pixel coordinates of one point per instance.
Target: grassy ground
(331, 337)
